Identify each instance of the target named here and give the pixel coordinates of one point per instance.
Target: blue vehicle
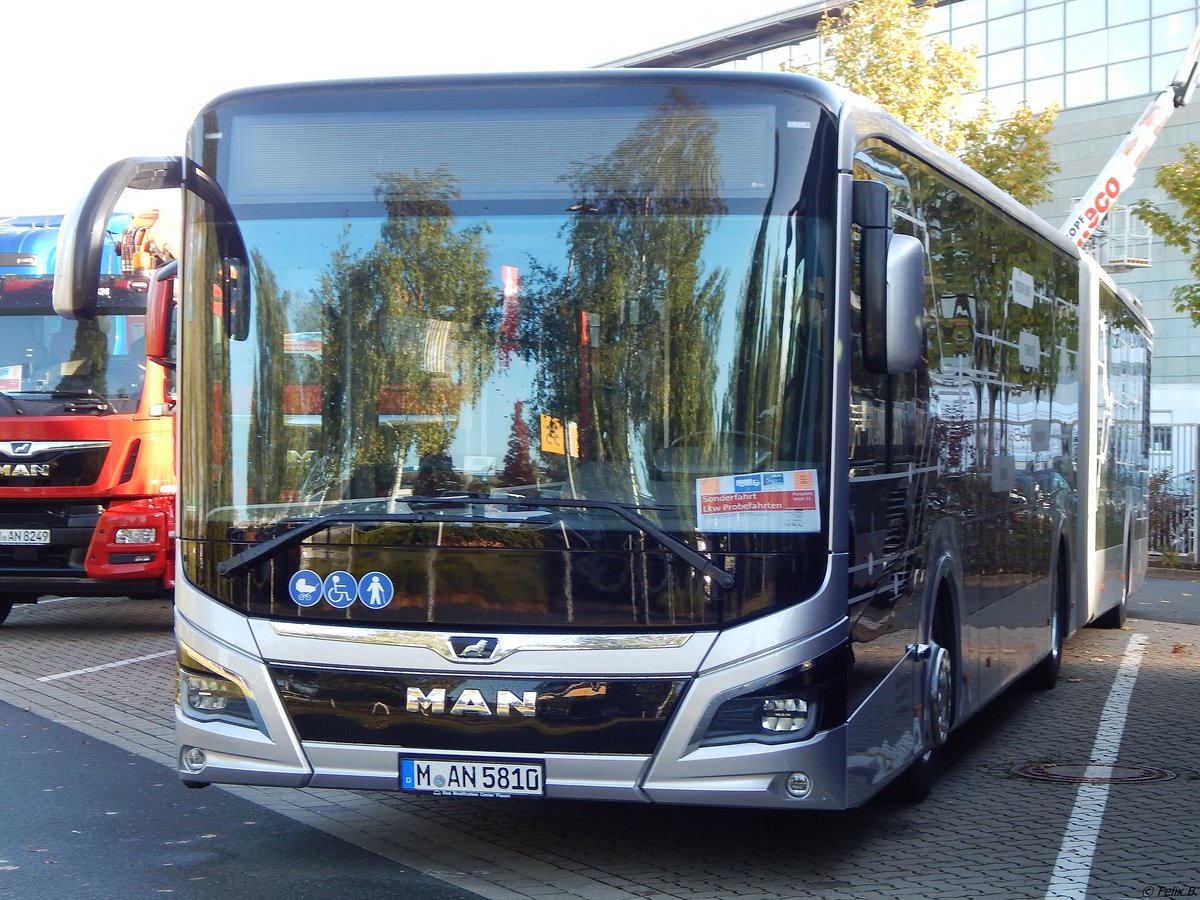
(28, 245)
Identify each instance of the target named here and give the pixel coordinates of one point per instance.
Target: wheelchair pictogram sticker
(340, 589)
(305, 588)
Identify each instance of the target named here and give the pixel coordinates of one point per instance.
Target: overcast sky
(88, 83)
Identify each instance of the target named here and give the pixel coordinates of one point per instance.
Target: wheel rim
(1055, 643)
(941, 696)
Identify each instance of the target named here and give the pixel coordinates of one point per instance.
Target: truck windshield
(51, 365)
(557, 293)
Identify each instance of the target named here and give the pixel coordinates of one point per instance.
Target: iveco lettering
(690, 436)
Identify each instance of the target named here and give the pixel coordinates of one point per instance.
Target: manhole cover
(1093, 774)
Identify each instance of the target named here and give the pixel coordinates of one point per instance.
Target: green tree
(881, 50)
(1181, 182)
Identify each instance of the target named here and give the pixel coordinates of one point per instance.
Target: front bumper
(678, 769)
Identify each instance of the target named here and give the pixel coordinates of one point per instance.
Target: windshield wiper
(85, 400)
(16, 407)
(242, 561)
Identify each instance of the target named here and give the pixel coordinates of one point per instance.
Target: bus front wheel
(915, 783)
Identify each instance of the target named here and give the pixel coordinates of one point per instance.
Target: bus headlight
(791, 706)
(208, 693)
(766, 719)
(784, 715)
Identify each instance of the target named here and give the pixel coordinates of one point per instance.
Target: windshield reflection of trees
(615, 348)
(623, 338)
(617, 340)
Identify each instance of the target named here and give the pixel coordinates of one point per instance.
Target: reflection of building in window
(1160, 438)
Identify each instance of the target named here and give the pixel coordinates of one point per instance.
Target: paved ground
(104, 669)
(86, 820)
(1169, 595)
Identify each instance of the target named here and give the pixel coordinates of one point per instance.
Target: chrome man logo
(473, 648)
(27, 449)
(470, 702)
(23, 470)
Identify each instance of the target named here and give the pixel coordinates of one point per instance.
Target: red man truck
(87, 475)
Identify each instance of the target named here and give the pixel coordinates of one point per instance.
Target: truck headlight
(135, 536)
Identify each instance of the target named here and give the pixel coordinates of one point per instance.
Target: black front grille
(53, 468)
(49, 514)
(444, 712)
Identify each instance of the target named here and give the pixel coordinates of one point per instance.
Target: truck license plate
(24, 535)
(472, 777)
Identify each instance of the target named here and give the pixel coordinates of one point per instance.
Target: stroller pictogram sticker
(305, 588)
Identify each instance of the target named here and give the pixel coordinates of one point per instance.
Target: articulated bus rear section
(87, 474)
(687, 437)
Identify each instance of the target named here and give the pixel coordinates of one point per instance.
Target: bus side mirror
(891, 276)
(236, 299)
(83, 235)
(160, 314)
(905, 310)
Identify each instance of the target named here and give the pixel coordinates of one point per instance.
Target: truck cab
(86, 425)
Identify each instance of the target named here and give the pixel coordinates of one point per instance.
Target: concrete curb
(1175, 574)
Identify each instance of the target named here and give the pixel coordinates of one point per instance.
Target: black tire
(1115, 617)
(1044, 676)
(915, 783)
(11, 599)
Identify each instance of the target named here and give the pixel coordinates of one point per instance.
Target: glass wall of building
(1101, 62)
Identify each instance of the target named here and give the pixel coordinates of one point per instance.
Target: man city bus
(662, 436)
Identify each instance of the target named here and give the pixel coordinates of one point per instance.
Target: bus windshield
(571, 296)
(51, 365)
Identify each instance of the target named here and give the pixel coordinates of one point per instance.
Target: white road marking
(1073, 867)
(111, 665)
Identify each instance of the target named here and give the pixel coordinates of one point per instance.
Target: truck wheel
(8, 601)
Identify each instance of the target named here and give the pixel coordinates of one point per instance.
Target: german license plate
(472, 777)
(24, 535)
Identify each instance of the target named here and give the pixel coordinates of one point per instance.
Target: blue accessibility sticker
(375, 590)
(340, 589)
(305, 588)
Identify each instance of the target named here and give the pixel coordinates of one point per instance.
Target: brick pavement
(986, 832)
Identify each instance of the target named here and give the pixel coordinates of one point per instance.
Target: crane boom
(1119, 171)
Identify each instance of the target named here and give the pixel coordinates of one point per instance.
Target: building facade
(1102, 62)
